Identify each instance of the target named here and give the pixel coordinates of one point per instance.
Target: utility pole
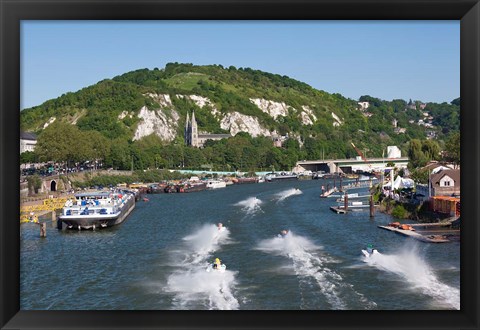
(429, 184)
(383, 168)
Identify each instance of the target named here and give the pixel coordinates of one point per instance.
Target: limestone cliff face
(337, 121)
(164, 122)
(236, 122)
(275, 109)
(307, 115)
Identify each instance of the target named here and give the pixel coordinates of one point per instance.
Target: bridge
(351, 165)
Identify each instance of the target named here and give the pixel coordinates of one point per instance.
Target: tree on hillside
(60, 142)
(452, 148)
(416, 155)
(431, 150)
(97, 146)
(120, 155)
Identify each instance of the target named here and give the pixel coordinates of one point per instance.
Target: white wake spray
(205, 241)
(192, 285)
(281, 196)
(250, 205)
(196, 289)
(411, 267)
(309, 264)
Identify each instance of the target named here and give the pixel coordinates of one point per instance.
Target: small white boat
(215, 184)
(369, 252)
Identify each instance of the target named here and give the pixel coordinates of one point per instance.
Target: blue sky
(418, 60)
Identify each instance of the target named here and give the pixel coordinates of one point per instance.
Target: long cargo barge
(99, 209)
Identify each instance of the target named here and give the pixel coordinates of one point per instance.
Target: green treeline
(64, 143)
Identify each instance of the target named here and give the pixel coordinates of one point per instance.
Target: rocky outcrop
(337, 122)
(307, 116)
(125, 114)
(201, 102)
(50, 121)
(236, 122)
(157, 122)
(274, 109)
(163, 100)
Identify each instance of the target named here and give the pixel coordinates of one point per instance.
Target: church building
(192, 136)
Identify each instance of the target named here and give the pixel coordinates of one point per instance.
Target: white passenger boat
(275, 176)
(98, 209)
(215, 184)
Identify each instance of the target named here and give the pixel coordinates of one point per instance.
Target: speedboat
(369, 251)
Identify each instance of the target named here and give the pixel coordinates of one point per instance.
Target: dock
(340, 209)
(415, 235)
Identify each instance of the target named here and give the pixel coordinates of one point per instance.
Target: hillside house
(445, 182)
(279, 140)
(411, 105)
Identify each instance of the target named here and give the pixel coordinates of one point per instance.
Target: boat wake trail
(410, 266)
(287, 193)
(250, 205)
(311, 267)
(205, 241)
(198, 289)
(195, 288)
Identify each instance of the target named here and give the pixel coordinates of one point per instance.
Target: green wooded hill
(132, 106)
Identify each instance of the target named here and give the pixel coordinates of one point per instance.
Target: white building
(27, 141)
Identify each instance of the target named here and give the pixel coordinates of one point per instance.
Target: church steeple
(186, 133)
(194, 131)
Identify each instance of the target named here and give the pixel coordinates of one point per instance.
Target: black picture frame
(13, 11)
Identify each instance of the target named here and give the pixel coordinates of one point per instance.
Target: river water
(156, 259)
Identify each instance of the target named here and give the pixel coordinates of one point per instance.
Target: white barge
(215, 184)
(275, 176)
(91, 210)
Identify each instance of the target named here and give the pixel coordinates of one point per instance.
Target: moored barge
(275, 176)
(98, 209)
